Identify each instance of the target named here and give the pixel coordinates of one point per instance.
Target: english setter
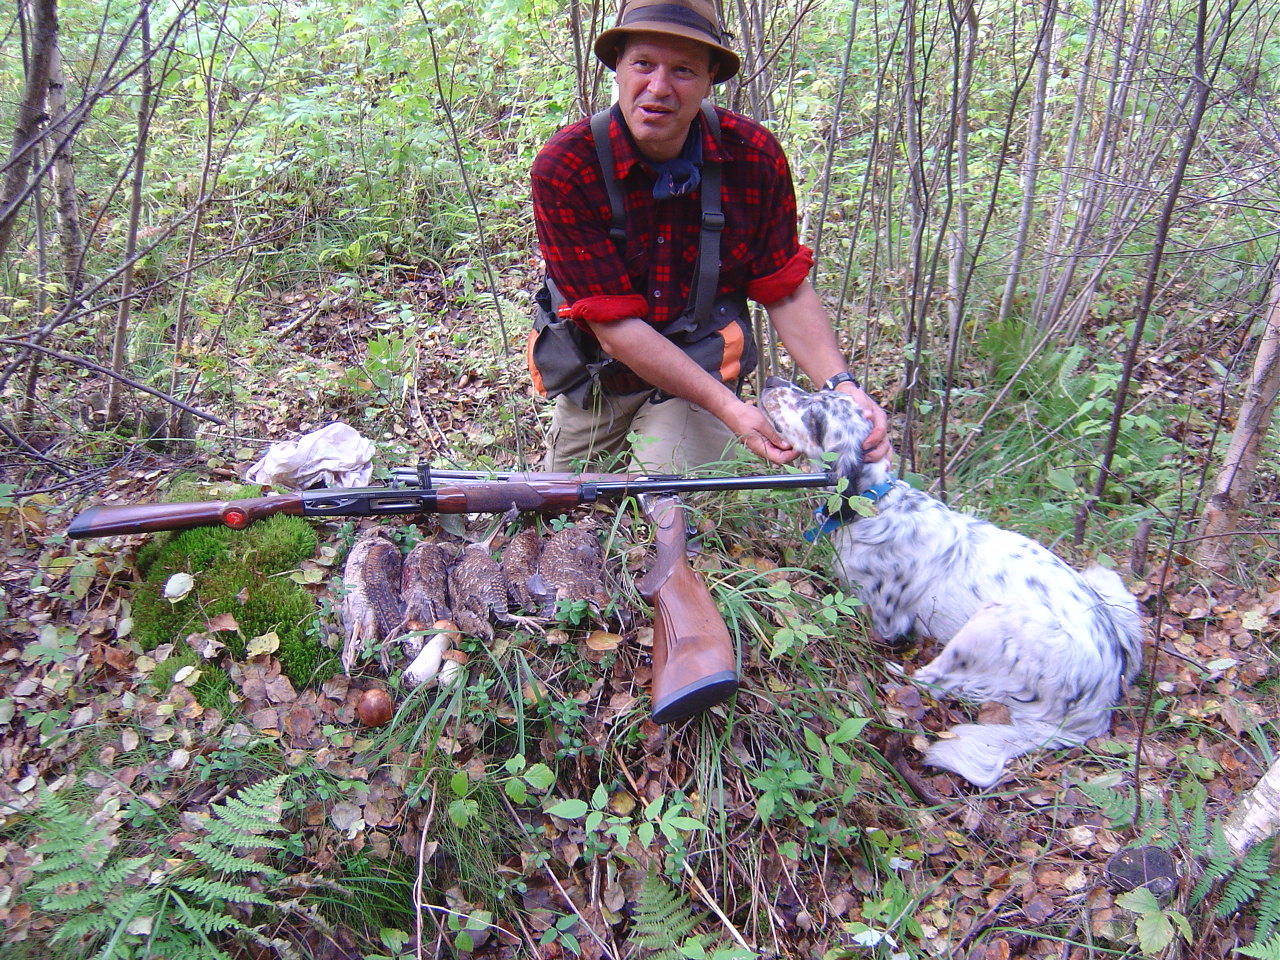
(1054, 645)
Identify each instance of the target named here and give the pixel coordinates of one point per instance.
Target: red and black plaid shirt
(760, 252)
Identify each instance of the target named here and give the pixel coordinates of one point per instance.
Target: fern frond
(194, 918)
(219, 859)
(1220, 863)
(1157, 825)
(1243, 885)
(663, 918)
(1117, 806)
(82, 925)
(1270, 950)
(258, 808)
(220, 890)
(231, 836)
(1268, 908)
(1201, 835)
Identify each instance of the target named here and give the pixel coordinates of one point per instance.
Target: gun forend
(112, 520)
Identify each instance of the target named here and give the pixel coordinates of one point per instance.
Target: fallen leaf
(178, 586)
(223, 622)
(263, 645)
(603, 640)
(346, 816)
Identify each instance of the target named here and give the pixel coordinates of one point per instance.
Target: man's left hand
(877, 444)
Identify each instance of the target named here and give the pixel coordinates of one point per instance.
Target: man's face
(662, 82)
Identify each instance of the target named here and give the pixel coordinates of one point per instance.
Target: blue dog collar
(830, 523)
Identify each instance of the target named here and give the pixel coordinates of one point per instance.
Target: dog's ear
(838, 426)
(848, 465)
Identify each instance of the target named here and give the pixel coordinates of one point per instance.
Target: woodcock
(572, 565)
(424, 589)
(371, 607)
(477, 590)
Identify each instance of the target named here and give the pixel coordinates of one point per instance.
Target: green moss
(161, 678)
(279, 543)
(237, 573)
(307, 663)
(212, 689)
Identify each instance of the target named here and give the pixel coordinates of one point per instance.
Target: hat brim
(606, 45)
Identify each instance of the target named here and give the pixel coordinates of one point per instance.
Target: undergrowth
(186, 903)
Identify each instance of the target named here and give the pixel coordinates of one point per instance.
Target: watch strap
(843, 377)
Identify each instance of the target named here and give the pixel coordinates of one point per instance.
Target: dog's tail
(1121, 607)
(979, 752)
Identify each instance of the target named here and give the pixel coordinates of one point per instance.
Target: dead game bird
(371, 607)
(520, 567)
(572, 566)
(424, 589)
(477, 590)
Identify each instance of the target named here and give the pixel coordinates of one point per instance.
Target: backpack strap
(604, 153)
(706, 276)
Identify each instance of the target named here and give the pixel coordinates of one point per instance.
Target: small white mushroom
(426, 666)
(449, 671)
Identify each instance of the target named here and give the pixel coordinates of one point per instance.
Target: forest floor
(938, 867)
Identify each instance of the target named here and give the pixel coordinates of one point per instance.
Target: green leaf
(685, 823)
(849, 730)
(515, 791)
(1063, 480)
(569, 809)
(462, 811)
(1139, 900)
(540, 777)
(1154, 927)
(1155, 932)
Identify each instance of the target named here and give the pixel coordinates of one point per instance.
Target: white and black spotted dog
(1056, 646)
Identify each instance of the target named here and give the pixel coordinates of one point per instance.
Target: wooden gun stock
(694, 664)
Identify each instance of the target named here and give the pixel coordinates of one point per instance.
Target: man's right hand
(660, 362)
(758, 435)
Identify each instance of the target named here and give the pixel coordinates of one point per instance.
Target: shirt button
(662, 239)
(657, 293)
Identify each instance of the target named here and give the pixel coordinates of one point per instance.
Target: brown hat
(691, 19)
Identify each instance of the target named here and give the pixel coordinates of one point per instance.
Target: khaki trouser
(669, 437)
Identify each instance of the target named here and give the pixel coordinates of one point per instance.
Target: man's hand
(877, 444)
(758, 435)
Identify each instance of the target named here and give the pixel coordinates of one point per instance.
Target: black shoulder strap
(707, 274)
(604, 153)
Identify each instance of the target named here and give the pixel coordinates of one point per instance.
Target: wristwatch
(839, 378)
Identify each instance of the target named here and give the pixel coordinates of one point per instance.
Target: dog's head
(828, 427)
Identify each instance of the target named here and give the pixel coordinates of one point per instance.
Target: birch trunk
(1240, 465)
(66, 204)
(1257, 816)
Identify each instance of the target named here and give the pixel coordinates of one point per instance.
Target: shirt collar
(626, 156)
